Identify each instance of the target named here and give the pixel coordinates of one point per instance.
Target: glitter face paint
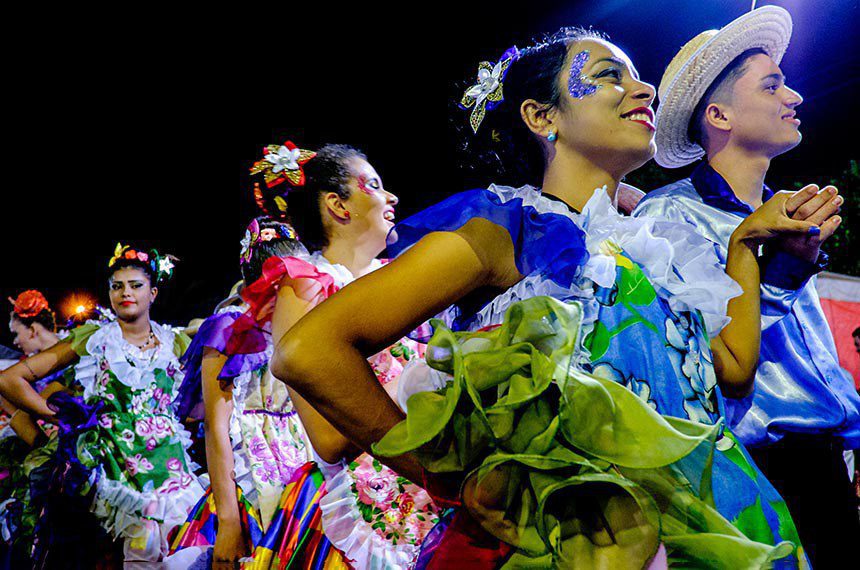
(578, 85)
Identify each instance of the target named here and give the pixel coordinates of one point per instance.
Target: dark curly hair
(263, 250)
(327, 172)
(46, 318)
(504, 149)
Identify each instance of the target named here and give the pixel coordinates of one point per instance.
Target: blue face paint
(578, 85)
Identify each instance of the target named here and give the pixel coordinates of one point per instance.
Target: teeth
(638, 117)
(388, 216)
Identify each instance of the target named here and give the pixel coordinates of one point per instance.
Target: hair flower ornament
(161, 265)
(254, 236)
(486, 94)
(118, 253)
(283, 163)
(29, 303)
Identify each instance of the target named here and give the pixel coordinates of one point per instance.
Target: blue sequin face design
(578, 85)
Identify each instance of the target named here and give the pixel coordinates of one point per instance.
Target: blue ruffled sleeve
(545, 242)
(548, 243)
(215, 333)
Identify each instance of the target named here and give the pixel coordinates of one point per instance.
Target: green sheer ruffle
(79, 336)
(569, 468)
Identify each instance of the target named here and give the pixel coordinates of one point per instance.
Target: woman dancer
(370, 515)
(120, 444)
(25, 450)
(559, 466)
(254, 440)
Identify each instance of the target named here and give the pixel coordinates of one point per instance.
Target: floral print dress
(376, 517)
(373, 518)
(130, 441)
(648, 295)
(268, 440)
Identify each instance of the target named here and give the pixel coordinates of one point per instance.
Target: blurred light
(77, 306)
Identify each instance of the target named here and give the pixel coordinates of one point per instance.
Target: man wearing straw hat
(724, 97)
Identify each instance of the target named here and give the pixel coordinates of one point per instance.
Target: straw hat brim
(697, 65)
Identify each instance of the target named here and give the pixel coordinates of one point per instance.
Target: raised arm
(323, 356)
(15, 381)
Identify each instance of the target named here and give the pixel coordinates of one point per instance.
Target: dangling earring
(552, 136)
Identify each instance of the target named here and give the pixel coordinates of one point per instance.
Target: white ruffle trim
(681, 265)
(351, 534)
(121, 509)
(417, 376)
(133, 367)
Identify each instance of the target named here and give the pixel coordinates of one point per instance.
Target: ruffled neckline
(680, 264)
(132, 367)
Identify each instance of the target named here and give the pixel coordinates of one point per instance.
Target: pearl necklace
(150, 340)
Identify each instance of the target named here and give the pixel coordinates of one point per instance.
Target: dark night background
(141, 129)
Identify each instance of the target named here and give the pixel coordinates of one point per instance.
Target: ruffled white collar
(680, 264)
(132, 366)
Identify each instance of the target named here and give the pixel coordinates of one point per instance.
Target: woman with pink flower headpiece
(122, 468)
(346, 510)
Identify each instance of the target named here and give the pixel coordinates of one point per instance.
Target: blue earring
(552, 136)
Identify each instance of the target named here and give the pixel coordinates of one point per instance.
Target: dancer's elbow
(291, 360)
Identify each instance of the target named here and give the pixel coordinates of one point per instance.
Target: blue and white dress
(652, 295)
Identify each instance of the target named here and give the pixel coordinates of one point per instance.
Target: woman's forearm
(218, 409)
(21, 423)
(17, 389)
(15, 381)
(322, 357)
(737, 353)
(331, 386)
(219, 457)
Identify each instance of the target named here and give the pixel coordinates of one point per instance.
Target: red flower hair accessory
(29, 304)
(283, 163)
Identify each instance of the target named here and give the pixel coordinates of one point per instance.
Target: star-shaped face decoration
(283, 163)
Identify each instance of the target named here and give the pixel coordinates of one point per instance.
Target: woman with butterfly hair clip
(571, 403)
(121, 450)
(255, 442)
(342, 509)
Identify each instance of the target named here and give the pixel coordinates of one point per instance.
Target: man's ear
(718, 116)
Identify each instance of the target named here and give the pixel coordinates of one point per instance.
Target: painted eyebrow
(617, 62)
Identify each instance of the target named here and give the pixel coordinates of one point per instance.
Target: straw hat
(696, 66)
